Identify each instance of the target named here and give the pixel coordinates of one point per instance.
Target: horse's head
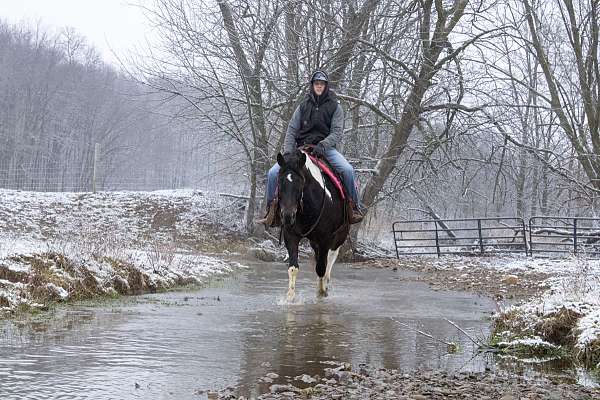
(291, 184)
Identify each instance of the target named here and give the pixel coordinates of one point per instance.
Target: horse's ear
(302, 160)
(280, 160)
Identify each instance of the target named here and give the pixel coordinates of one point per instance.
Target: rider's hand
(319, 150)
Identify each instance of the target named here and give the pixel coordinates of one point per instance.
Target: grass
(521, 350)
(591, 355)
(45, 267)
(557, 329)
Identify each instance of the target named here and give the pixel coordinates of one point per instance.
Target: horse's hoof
(322, 293)
(291, 295)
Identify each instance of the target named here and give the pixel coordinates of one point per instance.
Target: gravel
(369, 383)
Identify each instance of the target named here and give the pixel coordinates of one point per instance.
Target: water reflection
(356, 324)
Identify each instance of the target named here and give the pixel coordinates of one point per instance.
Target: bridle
(312, 228)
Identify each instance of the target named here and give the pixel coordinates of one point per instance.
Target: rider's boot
(271, 219)
(356, 215)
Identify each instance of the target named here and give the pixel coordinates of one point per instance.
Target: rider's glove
(319, 150)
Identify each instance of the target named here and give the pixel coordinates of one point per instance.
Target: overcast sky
(106, 24)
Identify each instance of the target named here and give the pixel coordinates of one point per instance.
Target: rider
(318, 121)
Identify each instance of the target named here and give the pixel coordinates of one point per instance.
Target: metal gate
(542, 236)
(552, 235)
(468, 236)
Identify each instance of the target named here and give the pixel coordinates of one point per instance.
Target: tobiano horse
(311, 207)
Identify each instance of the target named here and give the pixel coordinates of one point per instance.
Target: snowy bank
(62, 246)
(566, 316)
(126, 216)
(38, 279)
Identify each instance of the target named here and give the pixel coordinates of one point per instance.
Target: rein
(312, 228)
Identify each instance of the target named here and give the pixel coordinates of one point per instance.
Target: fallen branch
(449, 344)
(366, 170)
(235, 196)
(465, 333)
(564, 232)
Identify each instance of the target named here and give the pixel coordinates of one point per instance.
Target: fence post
(395, 240)
(525, 238)
(95, 168)
(437, 241)
(531, 236)
(575, 235)
(480, 237)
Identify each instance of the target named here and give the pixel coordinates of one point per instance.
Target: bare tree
(573, 97)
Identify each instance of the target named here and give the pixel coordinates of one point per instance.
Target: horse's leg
(292, 275)
(291, 243)
(321, 268)
(332, 255)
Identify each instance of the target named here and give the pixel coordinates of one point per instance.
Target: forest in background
(454, 108)
(60, 100)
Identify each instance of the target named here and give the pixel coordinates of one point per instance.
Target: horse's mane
(292, 161)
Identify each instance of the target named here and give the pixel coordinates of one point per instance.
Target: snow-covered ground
(567, 314)
(126, 215)
(57, 246)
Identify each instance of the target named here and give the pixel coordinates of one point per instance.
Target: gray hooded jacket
(332, 140)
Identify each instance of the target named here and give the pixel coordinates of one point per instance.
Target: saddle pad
(332, 175)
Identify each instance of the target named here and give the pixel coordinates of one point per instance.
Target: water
(178, 345)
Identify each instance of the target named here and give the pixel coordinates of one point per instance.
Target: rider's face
(319, 87)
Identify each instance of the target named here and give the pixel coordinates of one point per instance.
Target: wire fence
(110, 178)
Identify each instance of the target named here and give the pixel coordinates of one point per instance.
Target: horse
(310, 207)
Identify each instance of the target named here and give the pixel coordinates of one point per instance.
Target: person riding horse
(318, 122)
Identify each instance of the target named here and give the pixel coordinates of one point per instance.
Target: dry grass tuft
(512, 320)
(13, 276)
(558, 327)
(591, 354)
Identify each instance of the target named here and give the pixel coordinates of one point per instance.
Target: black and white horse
(311, 207)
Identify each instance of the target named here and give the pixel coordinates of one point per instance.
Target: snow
(551, 266)
(125, 215)
(15, 266)
(517, 265)
(574, 287)
(97, 232)
(588, 328)
(11, 245)
(62, 293)
(530, 360)
(534, 341)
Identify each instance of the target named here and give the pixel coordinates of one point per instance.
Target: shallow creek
(181, 344)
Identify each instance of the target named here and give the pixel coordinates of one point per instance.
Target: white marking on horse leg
(292, 274)
(332, 255)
